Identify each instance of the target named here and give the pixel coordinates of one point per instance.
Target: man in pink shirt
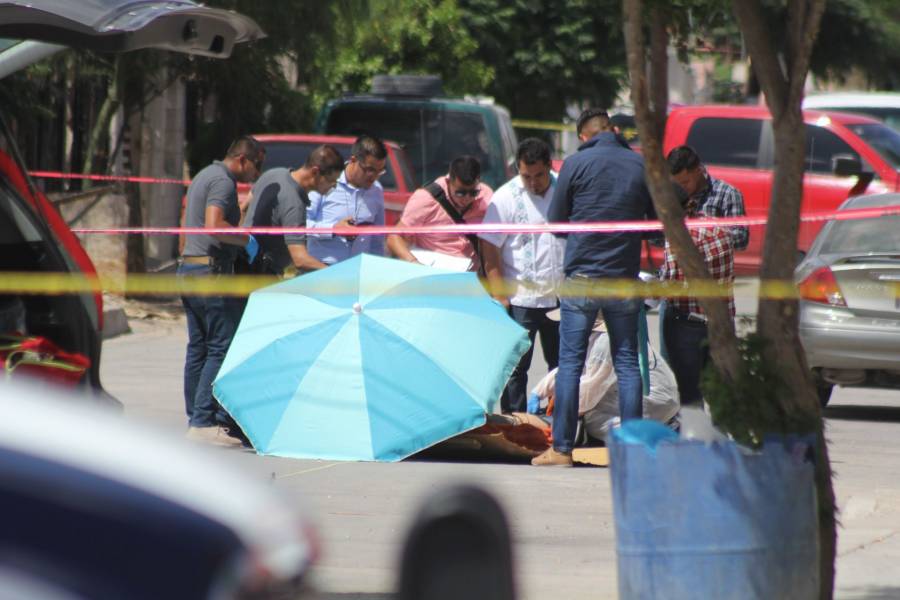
(458, 197)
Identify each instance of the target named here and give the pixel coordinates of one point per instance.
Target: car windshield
(890, 115)
(885, 140)
(863, 236)
(291, 155)
(431, 136)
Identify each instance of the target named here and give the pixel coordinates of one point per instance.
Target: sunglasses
(473, 193)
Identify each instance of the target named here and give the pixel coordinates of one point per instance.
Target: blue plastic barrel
(696, 520)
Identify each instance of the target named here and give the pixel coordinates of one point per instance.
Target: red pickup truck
(291, 149)
(737, 145)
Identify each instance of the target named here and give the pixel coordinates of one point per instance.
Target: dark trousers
(515, 396)
(212, 322)
(688, 350)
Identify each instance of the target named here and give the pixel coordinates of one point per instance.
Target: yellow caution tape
(242, 285)
(54, 284)
(526, 124)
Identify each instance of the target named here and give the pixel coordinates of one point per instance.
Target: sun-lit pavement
(561, 519)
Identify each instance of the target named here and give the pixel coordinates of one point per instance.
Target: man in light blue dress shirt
(357, 199)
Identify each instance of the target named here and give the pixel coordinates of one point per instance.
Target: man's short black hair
(533, 150)
(465, 169)
(327, 158)
(247, 145)
(590, 115)
(682, 158)
(366, 146)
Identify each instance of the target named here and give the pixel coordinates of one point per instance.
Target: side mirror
(846, 165)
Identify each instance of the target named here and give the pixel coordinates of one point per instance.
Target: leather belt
(196, 260)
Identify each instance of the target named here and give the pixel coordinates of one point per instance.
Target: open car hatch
(123, 25)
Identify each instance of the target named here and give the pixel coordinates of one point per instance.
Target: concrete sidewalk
(561, 519)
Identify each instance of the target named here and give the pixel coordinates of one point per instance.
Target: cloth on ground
(598, 397)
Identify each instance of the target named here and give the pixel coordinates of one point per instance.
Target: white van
(884, 106)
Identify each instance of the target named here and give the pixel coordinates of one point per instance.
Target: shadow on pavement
(870, 593)
(885, 414)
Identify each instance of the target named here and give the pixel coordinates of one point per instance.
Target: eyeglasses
(367, 169)
(372, 171)
(473, 193)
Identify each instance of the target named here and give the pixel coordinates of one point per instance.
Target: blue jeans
(578, 316)
(514, 398)
(212, 322)
(686, 341)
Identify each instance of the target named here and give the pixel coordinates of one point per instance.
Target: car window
(822, 146)
(291, 155)
(865, 236)
(883, 139)
(406, 170)
(508, 136)
(454, 133)
(16, 226)
(431, 136)
(402, 126)
(726, 142)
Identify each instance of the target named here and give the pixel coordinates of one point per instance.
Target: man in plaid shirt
(714, 197)
(684, 328)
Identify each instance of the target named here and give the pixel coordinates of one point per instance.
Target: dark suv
(432, 129)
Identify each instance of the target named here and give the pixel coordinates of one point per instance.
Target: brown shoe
(213, 435)
(552, 458)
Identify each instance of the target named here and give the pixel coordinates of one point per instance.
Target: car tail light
(821, 286)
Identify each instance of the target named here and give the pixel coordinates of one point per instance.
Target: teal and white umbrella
(369, 359)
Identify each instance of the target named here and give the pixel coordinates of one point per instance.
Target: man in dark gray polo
(279, 199)
(212, 203)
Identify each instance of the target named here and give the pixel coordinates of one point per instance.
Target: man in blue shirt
(603, 181)
(357, 199)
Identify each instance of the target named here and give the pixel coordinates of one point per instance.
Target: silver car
(849, 286)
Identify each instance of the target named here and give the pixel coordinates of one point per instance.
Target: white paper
(442, 261)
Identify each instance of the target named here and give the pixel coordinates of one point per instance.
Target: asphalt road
(561, 519)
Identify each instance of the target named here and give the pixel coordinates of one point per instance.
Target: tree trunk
(659, 71)
(778, 319)
(722, 336)
(68, 116)
(101, 126)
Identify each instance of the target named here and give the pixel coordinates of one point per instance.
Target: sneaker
(212, 435)
(552, 458)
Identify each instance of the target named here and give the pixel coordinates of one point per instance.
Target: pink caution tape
(125, 178)
(594, 227)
